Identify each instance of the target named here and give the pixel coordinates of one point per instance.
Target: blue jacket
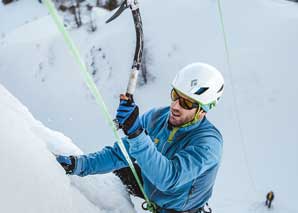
(179, 165)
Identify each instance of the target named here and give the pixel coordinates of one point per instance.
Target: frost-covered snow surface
(257, 114)
(32, 181)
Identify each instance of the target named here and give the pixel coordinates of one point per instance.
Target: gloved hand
(67, 162)
(128, 118)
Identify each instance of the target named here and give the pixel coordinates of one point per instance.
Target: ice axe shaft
(133, 5)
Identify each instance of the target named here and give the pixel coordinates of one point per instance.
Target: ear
(200, 114)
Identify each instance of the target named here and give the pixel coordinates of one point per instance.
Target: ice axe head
(133, 4)
(122, 7)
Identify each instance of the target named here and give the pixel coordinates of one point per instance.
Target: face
(179, 115)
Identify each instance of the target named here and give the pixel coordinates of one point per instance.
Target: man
(269, 199)
(176, 148)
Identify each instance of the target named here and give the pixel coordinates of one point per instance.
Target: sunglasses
(184, 103)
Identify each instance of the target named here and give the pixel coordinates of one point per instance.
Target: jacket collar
(195, 123)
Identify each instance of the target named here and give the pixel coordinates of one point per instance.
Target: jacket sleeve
(104, 161)
(186, 165)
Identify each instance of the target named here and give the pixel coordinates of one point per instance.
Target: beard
(177, 119)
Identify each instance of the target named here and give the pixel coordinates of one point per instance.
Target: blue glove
(67, 162)
(128, 118)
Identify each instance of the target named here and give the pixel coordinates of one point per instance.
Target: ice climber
(176, 150)
(269, 199)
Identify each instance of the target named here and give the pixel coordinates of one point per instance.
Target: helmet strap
(199, 114)
(197, 117)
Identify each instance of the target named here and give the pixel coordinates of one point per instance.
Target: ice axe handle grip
(129, 98)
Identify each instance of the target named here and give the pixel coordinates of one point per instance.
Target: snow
(27, 11)
(257, 114)
(32, 181)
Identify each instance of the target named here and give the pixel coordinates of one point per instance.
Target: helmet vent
(201, 90)
(220, 89)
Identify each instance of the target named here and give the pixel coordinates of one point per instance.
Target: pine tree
(76, 11)
(93, 26)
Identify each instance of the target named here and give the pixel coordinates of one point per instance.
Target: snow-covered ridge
(32, 181)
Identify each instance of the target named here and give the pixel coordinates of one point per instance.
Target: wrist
(72, 166)
(136, 133)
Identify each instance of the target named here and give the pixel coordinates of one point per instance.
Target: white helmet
(200, 82)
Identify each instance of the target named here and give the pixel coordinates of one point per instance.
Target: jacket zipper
(172, 134)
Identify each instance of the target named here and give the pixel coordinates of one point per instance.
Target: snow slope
(256, 115)
(32, 181)
(26, 13)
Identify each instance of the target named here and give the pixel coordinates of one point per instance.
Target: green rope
(224, 34)
(91, 85)
(234, 97)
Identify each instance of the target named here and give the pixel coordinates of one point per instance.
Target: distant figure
(269, 199)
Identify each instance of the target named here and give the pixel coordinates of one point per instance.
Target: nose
(176, 105)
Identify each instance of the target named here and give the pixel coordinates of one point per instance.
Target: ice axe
(136, 66)
(137, 60)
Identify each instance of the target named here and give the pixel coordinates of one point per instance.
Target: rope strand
(234, 97)
(95, 92)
